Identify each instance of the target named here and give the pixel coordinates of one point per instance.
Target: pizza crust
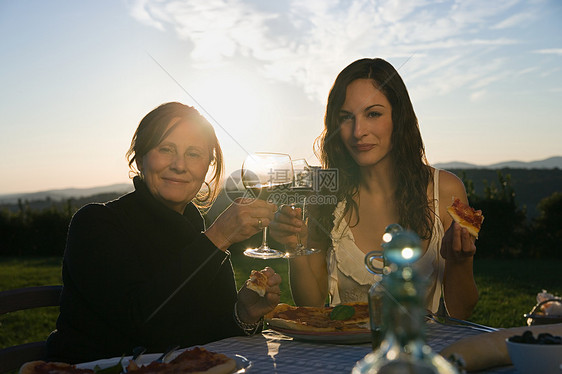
(281, 323)
(29, 367)
(224, 368)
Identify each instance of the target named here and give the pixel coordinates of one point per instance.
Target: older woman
(143, 270)
(372, 139)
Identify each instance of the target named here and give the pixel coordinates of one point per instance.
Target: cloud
(477, 96)
(515, 20)
(140, 13)
(307, 42)
(549, 72)
(550, 51)
(528, 70)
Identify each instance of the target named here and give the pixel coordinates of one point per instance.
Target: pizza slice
(43, 367)
(319, 319)
(257, 282)
(466, 216)
(196, 360)
(200, 360)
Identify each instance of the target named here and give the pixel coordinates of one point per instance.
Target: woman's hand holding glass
(242, 219)
(289, 226)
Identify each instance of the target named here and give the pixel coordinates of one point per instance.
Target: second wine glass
(302, 188)
(264, 174)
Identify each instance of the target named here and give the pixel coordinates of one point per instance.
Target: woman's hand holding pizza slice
(458, 241)
(259, 295)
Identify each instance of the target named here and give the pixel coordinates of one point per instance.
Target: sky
(76, 77)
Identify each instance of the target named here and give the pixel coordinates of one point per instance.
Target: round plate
(242, 363)
(541, 319)
(336, 337)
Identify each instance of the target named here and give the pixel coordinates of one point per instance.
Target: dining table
(274, 352)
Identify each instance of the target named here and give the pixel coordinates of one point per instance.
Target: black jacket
(138, 273)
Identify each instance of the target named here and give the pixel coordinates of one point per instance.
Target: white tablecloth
(273, 352)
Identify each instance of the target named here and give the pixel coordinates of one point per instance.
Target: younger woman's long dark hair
(409, 164)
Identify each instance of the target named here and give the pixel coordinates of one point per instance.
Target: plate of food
(341, 324)
(195, 359)
(335, 337)
(541, 319)
(548, 310)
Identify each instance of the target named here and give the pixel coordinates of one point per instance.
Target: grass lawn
(507, 290)
(28, 325)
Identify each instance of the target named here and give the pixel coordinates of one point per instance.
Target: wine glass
(264, 175)
(302, 188)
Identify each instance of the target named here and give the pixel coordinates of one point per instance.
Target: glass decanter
(375, 263)
(403, 349)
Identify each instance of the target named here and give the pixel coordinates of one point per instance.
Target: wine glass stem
(299, 243)
(264, 238)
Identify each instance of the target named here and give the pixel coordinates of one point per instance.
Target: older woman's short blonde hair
(152, 130)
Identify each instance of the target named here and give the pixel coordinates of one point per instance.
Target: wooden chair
(11, 358)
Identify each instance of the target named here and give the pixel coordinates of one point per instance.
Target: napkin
(487, 350)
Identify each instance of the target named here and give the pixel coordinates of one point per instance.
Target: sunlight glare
(231, 101)
(387, 237)
(407, 253)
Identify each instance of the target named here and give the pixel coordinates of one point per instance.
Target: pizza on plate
(197, 360)
(344, 317)
(43, 367)
(257, 282)
(466, 216)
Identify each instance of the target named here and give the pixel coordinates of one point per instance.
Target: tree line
(506, 231)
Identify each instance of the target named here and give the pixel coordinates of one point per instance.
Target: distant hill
(532, 182)
(549, 163)
(531, 185)
(66, 193)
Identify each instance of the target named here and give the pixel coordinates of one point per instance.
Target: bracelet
(248, 328)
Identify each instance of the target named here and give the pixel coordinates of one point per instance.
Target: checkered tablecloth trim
(273, 352)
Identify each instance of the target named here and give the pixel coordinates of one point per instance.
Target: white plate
(339, 337)
(242, 363)
(541, 319)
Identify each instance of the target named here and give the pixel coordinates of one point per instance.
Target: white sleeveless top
(348, 278)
